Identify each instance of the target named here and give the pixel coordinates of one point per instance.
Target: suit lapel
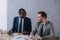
(17, 20)
(47, 29)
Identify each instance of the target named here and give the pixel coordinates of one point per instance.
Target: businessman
(44, 27)
(21, 23)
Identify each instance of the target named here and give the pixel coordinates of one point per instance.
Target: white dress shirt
(19, 24)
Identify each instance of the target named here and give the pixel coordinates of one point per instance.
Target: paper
(20, 37)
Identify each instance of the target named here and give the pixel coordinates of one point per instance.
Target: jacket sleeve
(13, 28)
(52, 29)
(29, 26)
(35, 30)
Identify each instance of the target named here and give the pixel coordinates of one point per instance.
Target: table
(5, 37)
(13, 37)
(51, 38)
(8, 37)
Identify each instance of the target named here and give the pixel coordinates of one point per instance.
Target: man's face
(22, 14)
(39, 18)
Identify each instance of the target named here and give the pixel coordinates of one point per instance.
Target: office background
(3, 15)
(51, 7)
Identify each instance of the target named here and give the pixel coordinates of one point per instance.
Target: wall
(3, 14)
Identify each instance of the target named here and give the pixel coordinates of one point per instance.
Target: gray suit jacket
(48, 30)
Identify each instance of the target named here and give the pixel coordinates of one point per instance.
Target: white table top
(14, 37)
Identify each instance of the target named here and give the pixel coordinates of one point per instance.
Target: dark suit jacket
(26, 25)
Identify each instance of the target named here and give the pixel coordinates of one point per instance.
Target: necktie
(20, 28)
(41, 31)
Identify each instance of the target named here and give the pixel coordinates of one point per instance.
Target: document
(20, 37)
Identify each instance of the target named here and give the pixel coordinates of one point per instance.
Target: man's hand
(31, 36)
(24, 33)
(38, 37)
(9, 33)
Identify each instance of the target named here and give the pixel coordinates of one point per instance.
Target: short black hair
(22, 9)
(43, 14)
